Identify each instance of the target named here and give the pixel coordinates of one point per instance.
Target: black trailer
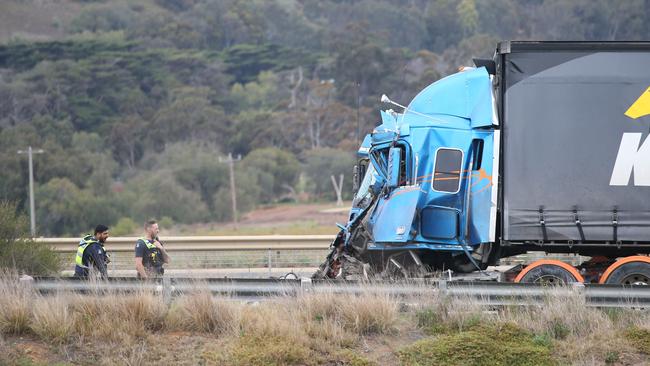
(575, 152)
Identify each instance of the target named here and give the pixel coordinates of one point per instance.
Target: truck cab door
(459, 203)
(393, 217)
(442, 218)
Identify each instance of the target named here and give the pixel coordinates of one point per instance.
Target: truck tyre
(549, 272)
(628, 271)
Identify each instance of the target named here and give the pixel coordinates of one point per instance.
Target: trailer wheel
(633, 270)
(549, 272)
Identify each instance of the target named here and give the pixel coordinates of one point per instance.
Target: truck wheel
(549, 272)
(633, 270)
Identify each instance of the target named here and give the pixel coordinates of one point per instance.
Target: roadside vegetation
(17, 251)
(312, 329)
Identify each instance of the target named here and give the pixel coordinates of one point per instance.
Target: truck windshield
(362, 197)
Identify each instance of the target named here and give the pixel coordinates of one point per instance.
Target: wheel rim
(636, 279)
(549, 280)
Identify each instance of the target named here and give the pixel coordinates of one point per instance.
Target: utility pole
(32, 214)
(233, 193)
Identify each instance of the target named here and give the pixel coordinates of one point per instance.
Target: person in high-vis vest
(91, 255)
(150, 254)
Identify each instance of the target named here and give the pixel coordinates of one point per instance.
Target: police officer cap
(100, 228)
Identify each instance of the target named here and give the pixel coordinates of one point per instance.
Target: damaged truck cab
(437, 161)
(430, 180)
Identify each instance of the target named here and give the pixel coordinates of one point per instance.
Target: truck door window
(447, 170)
(363, 194)
(477, 153)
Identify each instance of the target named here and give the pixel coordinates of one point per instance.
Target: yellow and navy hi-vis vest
(83, 244)
(153, 252)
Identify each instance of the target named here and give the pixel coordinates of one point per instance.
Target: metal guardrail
(205, 243)
(486, 293)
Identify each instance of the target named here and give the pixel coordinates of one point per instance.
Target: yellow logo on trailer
(633, 153)
(641, 107)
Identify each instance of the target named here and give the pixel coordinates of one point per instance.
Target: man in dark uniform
(150, 254)
(91, 255)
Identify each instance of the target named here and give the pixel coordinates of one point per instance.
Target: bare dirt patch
(288, 219)
(323, 214)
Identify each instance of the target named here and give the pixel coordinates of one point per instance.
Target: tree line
(135, 105)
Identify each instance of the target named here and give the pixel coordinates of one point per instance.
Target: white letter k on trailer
(632, 157)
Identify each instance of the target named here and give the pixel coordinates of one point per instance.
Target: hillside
(138, 104)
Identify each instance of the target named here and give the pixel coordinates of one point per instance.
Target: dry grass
(560, 316)
(313, 329)
(52, 320)
(15, 310)
(201, 312)
(368, 313)
(439, 314)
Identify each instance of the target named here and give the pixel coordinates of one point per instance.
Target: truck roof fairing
(465, 96)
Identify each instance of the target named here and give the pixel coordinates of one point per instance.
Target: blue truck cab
(431, 170)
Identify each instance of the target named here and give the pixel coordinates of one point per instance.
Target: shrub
(640, 338)
(323, 163)
(367, 313)
(15, 309)
(166, 222)
(503, 344)
(255, 350)
(124, 226)
(52, 320)
(202, 313)
(17, 251)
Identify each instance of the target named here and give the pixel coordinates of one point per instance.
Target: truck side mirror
(394, 157)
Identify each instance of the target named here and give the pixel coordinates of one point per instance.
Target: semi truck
(543, 148)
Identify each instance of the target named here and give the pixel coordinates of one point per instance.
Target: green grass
(640, 338)
(254, 350)
(489, 345)
(263, 351)
(430, 321)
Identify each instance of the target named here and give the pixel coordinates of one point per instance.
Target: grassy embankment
(371, 329)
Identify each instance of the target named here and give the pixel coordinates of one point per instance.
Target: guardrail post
(269, 254)
(305, 284)
(26, 281)
(442, 287)
(166, 289)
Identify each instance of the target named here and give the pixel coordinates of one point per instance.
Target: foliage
(277, 171)
(128, 97)
(17, 251)
(640, 338)
(124, 226)
(255, 350)
(158, 194)
(66, 209)
(24, 56)
(247, 189)
(321, 164)
(503, 344)
(246, 61)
